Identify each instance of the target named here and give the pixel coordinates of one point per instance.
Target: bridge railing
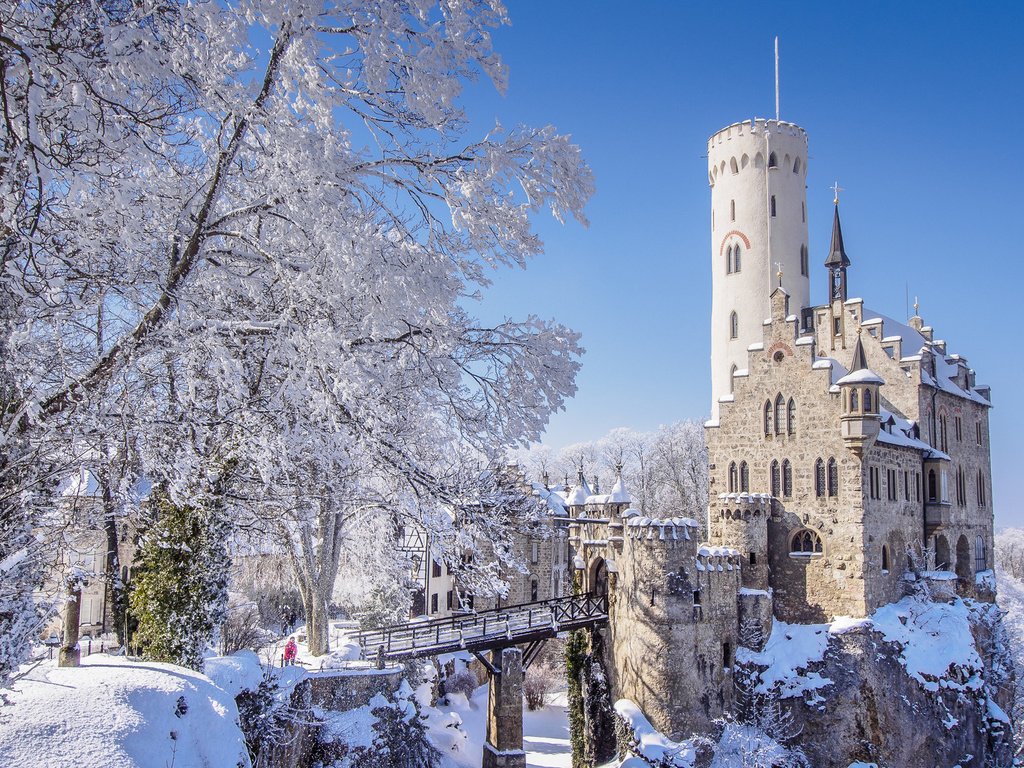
(492, 627)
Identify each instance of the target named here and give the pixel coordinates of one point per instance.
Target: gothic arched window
(767, 417)
(980, 555)
(791, 417)
(833, 478)
(732, 477)
(736, 258)
(853, 401)
(728, 260)
(776, 479)
(787, 478)
(734, 326)
(732, 379)
(744, 477)
(819, 478)
(867, 401)
(780, 413)
(773, 161)
(805, 542)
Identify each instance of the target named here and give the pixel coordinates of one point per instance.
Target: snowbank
(652, 745)
(115, 712)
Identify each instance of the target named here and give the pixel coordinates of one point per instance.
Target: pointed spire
(837, 253)
(860, 360)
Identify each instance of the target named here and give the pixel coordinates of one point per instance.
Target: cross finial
(836, 189)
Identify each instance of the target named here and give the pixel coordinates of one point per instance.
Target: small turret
(859, 388)
(837, 260)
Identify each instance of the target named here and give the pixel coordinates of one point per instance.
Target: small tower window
(980, 555)
(796, 165)
(732, 379)
(932, 486)
(833, 478)
(744, 477)
(854, 401)
(736, 258)
(819, 478)
(776, 479)
(734, 166)
(732, 210)
(734, 326)
(728, 260)
(803, 260)
(787, 478)
(767, 417)
(773, 161)
(772, 205)
(753, 558)
(791, 417)
(803, 209)
(726, 655)
(780, 413)
(867, 401)
(885, 558)
(732, 477)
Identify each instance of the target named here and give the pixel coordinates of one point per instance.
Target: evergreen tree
(180, 583)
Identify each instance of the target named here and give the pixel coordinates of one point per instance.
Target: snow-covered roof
(579, 494)
(619, 494)
(913, 341)
(899, 431)
(863, 376)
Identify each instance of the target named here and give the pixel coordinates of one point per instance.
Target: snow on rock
(935, 641)
(154, 715)
(650, 744)
(742, 745)
(790, 650)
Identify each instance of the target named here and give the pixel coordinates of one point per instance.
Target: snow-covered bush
(241, 629)
(541, 679)
(263, 715)
(461, 681)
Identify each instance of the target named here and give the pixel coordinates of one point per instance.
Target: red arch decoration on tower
(744, 238)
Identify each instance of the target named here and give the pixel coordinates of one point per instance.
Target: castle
(846, 449)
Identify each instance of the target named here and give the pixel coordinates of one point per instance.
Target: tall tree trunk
(70, 654)
(116, 597)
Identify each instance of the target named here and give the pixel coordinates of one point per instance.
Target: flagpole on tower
(776, 78)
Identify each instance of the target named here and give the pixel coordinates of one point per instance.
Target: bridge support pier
(504, 745)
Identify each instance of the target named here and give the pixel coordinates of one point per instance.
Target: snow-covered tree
(251, 232)
(180, 590)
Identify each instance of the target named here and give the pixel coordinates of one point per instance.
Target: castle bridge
(498, 631)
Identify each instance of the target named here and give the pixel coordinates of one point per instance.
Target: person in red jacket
(291, 650)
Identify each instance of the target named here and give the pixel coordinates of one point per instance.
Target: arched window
(796, 165)
(819, 478)
(744, 477)
(732, 477)
(981, 488)
(780, 413)
(867, 401)
(773, 161)
(791, 417)
(980, 555)
(728, 260)
(787, 478)
(734, 326)
(804, 269)
(833, 478)
(734, 166)
(767, 417)
(732, 378)
(885, 558)
(805, 542)
(853, 401)
(732, 210)
(776, 479)
(736, 258)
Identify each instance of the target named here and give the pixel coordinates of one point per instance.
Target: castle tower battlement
(757, 170)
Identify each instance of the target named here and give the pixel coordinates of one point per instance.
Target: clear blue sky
(917, 109)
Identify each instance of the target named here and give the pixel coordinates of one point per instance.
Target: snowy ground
(545, 732)
(113, 712)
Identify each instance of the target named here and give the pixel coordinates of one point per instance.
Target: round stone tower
(757, 170)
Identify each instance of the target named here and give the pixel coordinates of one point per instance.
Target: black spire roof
(837, 254)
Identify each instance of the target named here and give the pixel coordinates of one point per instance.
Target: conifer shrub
(180, 583)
